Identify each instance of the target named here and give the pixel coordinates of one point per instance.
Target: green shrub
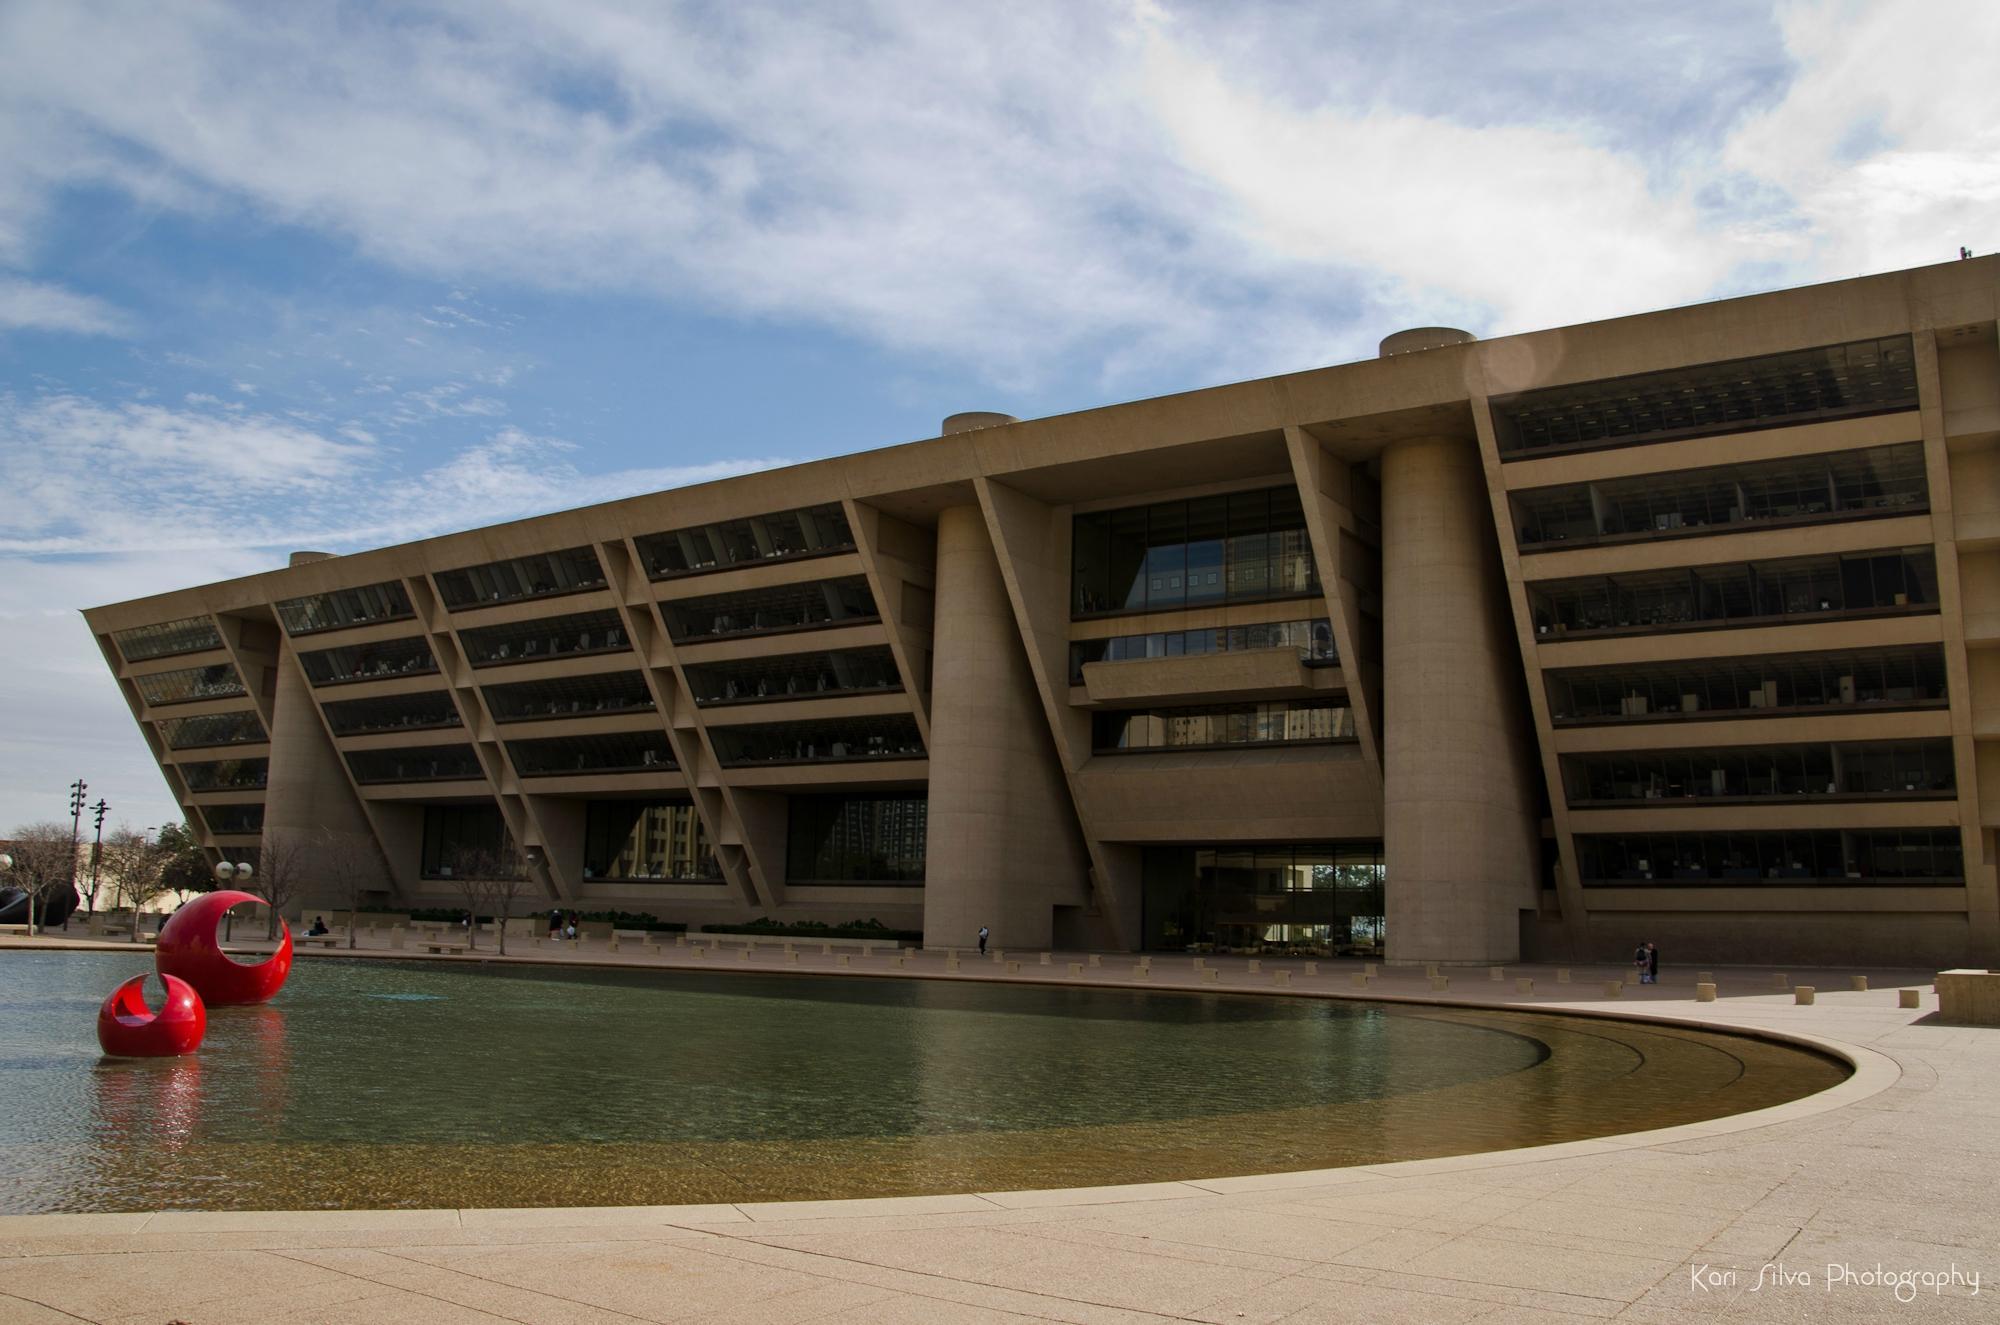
(870, 928)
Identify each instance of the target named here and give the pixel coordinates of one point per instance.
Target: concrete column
(1002, 831)
(1461, 831)
(307, 793)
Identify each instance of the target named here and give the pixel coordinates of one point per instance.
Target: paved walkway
(1894, 1173)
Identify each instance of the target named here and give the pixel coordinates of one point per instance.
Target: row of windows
(1312, 638)
(226, 774)
(527, 641)
(1240, 547)
(1768, 391)
(353, 717)
(369, 662)
(794, 676)
(1713, 686)
(421, 763)
(1791, 858)
(1735, 593)
(542, 575)
(364, 606)
(239, 728)
(1326, 897)
(831, 740)
(1854, 768)
(856, 839)
(1222, 725)
(190, 685)
(569, 696)
(812, 532)
(785, 607)
(1801, 489)
(234, 818)
(617, 752)
(189, 635)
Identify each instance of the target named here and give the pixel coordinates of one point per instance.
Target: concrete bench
(442, 948)
(324, 940)
(1968, 996)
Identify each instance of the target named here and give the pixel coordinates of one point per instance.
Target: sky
(333, 275)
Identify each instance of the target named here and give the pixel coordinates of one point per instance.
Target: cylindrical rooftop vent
(973, 420)
(1424, 338)
(301, 558)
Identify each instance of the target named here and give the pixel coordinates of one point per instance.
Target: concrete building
(1681, 626)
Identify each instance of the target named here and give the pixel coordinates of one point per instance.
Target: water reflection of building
(1671, 627)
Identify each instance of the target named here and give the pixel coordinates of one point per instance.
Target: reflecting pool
(371, 1083)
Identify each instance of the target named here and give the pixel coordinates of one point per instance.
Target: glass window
(190, 685)
(1241, 546)
(368, 662)
(239, 728)
(831, 740)
(189, 635)
(228, 819)
(1680, 599)
(367, 605)
(1791, 858)
(452, 832)
(1313, 899)
(573, 570)
(856, 839)
(569, 697)
(226, 774)
(352, 717)
(552, 637)
(1312, 637)
(814, 531)
(647, 841)
(616, 752)
(1221, 725)
(416, 763)
(794, 676)
(776, 610)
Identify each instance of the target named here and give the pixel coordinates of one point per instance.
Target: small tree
(351, 863)
(44, 864)
(280, 871)
(138, 867)
(187, 869)
(489, 879)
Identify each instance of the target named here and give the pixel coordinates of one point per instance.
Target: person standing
(1652, 962)
(555, 923)
(1641, 963)
(982, 940)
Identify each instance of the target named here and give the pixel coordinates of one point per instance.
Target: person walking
(555, 923)
(982, 940)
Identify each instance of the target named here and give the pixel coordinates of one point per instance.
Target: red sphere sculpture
(127, 1028)
(187, 948)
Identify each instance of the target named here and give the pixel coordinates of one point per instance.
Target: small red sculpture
(127, 1028)
(187, 947)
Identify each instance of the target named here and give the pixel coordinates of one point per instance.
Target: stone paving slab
(1896, 1168)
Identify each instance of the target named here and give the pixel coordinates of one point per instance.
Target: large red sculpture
(127, 1028)
(187, 947)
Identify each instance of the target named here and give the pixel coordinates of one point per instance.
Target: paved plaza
(1878, 1200)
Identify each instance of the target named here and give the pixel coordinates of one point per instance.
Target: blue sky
(333, 275)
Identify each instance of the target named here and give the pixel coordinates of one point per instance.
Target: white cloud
(27, 305)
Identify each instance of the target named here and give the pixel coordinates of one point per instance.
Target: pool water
(370, 1083)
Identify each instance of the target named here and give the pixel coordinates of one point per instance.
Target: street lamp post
(227, 872)
(76, 791)
(97, 852)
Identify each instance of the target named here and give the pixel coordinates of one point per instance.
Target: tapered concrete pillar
(1461, 833)
(1002, 832)
(307, 796)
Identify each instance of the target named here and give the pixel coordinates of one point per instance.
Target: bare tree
(489, 879)
(44, 864)
(280, 871)
(351, 863)
(138, 867)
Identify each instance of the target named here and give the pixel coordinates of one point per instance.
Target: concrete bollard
(1562, 975)
(1704, 991)
(680, 940)
(951, 963)
(1212, 977)
(1704, 977)
(1255, 966)
(999, 956)
(1860, 984)
(1431, 970)
(1046, 960)
(395, 936)
(1142, 972)
(1524, 986)
(844, 959)
(1282, 978)
(791, 958)
(826, 950)
(1368, 968)
(1076, 968)
(1614, 988)
(1200, 964)
(1096, 960)
(791, 950)
(697, 952)
(1909, 998)
(1781, 980)
(1358, 979)
(743, 956)
(1496, 973)
(1312, 968)
(1013, 968)
(611, 944)
(1440, 983)
(1802, 994)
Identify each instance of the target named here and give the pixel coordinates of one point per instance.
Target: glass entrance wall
(646, 840)
(1324, 898)
(1235, 547)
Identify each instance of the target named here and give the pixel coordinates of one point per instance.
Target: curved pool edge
(1870, 1073)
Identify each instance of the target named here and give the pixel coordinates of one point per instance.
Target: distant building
(1681, 626)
